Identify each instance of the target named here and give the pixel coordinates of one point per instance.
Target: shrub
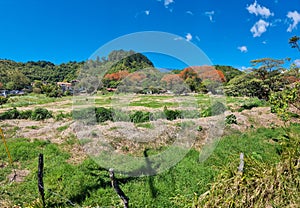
(199, 128)
(218, 108)
(62, 115)
(230, 119)
(3, 100)
(10, 114)
(172, 114)
(206, 112)
(103, 114)
(25, 114)
(40, 114)
(140, 117)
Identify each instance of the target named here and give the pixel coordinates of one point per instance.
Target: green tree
(3, 100)
(261, 81)
(293, 41)
(284, 101)
(52, 90)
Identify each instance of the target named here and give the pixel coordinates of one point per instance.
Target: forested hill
(18, 75)
(228, 71)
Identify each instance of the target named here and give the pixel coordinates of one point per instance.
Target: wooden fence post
(118, 190)
(40, 178)
(241, 166)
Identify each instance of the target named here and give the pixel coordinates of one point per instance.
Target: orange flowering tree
(113, 79)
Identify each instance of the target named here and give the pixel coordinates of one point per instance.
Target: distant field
(130, 101)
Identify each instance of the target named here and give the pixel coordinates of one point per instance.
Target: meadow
(73, 179)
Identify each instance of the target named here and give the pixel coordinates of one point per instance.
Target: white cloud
(197, 38)
(188, 37)
(189, 12)
(297, 62)
(168, 2)
(259, 28)
(178, 38)
(295, 17)
(259, 10)
(275, 22)
(264, 42)
(243, 49)
(147, 12)
(210, 15)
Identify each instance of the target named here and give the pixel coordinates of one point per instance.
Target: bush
(37, 114)
(140, 117)
(172, 114)
(216, 109)
(199, 128)
(10, 114)
(40, 114)
(230, 119)
(25, 114)
(103, 114)
(206, 112)
(62, 115)
(3, 100)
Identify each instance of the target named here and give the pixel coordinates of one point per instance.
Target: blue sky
(232, 32)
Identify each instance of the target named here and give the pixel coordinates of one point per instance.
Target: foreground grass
(261, 184)
(87, 184)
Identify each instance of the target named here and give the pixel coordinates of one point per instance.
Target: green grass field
(87, 184)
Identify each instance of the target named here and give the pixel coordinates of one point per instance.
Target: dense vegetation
(16, 75)
(42, 76)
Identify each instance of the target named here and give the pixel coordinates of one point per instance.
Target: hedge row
(37, 114)
(101, 114)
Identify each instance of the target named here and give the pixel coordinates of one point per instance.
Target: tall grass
(262, 184)
(88, 185)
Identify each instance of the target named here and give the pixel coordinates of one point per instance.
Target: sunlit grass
(87, 184)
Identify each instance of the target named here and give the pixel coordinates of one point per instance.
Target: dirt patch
(60, 106)
(44, 130)
(18, 175)
(255, 118)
